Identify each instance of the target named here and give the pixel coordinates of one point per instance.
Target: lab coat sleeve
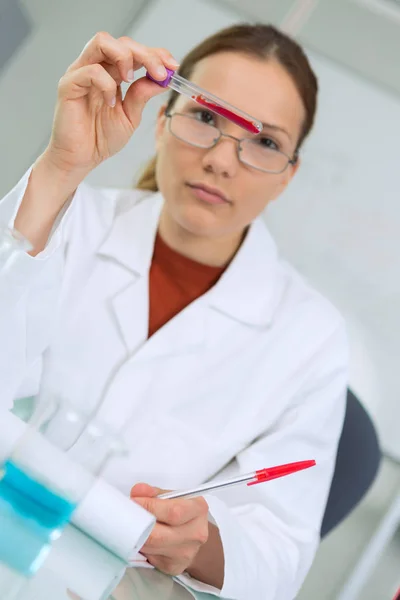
(29, 293)
(270, 532)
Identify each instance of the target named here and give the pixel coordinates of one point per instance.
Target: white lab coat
(251, 374)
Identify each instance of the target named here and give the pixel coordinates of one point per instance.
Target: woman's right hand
(91, 121)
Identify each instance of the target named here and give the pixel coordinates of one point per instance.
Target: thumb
(143, 490)
(137, 96)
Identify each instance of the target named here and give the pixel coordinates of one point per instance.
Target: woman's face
(264, 90)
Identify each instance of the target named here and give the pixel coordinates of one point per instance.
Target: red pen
(250, 479)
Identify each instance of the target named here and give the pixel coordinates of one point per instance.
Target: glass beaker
(47, 474)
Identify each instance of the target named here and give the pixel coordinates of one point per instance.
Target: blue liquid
(31, 516)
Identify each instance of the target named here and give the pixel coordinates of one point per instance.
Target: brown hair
(261, 41)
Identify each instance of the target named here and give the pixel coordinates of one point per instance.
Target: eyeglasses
(255, 153)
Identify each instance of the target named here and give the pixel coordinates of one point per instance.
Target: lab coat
(251, 374)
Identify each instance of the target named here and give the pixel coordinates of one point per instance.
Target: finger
(167, 58)
(150, 58)
(145, 491)
(137, 96)
(113, 71)
(168, 565)
(165, 540)
(174, 512)
(77, 84)
(104, 48)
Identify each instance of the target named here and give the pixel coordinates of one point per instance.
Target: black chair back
(357, 464)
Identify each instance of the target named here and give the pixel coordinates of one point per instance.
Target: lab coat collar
(131, 239)
(248, 291)
(250, 288)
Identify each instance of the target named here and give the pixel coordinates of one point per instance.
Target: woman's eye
(266, 142)
(205, 117)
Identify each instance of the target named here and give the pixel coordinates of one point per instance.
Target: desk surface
(77, 568)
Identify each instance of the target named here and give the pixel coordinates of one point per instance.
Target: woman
(171, 314)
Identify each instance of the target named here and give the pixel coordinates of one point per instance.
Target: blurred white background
(339, 222)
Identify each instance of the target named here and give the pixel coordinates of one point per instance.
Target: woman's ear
(291, 172)
(160, 124)
(286, 178)
(295, 167)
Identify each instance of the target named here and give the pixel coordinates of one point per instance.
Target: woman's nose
(222, 159)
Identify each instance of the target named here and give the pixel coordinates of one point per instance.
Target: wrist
(58, 174)
(49, 189)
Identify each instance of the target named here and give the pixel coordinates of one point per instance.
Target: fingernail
(174, 62)
(113, 102)
(161, 71)
(131, 75)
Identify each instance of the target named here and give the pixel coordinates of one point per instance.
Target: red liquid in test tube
(228, 114)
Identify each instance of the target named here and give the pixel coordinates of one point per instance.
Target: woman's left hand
(181, 529)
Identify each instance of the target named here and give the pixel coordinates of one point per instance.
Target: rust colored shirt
(175, 282)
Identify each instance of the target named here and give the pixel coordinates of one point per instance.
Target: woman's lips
(207, 195)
